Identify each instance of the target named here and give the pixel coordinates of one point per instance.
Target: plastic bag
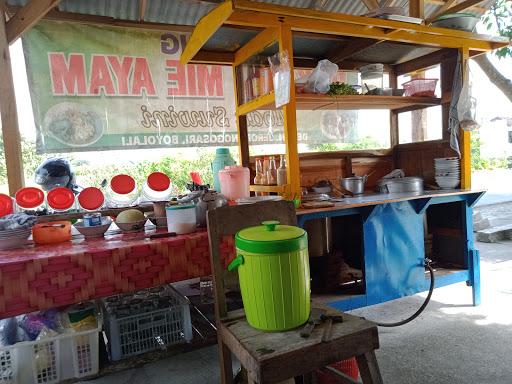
(281, 77)
(320, 78)
(466, 107)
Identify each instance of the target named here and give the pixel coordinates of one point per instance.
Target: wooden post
(241, 121)
(393, 115)
(290, 119)
(417, 8)
(10, 129)
(465, 136)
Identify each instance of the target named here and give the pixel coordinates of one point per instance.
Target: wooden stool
(271, 357)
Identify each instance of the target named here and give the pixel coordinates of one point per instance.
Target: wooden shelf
(399, 103)
(313, 102)
(269, 188)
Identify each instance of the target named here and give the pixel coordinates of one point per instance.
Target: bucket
(273, 266)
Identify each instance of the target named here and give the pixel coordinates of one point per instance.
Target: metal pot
(400, 185)
(319, 236)
(354, 184)
(204, 201)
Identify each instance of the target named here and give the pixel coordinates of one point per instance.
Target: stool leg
(369, 368)
(226, 365)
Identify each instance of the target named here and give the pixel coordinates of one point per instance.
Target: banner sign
(98, 88)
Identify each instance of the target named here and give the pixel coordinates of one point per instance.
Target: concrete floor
(451, 342)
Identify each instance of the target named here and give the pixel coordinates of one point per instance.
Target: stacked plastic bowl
(447, 171)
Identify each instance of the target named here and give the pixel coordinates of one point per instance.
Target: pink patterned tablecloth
(44, 276)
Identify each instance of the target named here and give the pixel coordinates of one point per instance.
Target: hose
(423, 306)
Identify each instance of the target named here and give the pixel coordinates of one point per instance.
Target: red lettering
(68, 78)
(142, 78)
(122, 72)
(100, 77)
(176, 78)
(210, 81)
(191, 80)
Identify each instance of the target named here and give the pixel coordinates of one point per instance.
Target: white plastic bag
(466, 106)
(320, 78)
(280, 67)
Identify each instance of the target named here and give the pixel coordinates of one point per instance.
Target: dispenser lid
(91, 198)
(271, 237)
(122, 184)
(29, 197)
(60, 198)
(159, 181)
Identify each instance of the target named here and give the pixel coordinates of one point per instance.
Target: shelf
(269, 188)
(399, 103)
(314, 102)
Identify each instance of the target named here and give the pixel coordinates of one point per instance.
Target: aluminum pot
(400, 185)
(354, 184)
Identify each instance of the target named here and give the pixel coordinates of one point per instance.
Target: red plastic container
(91, 199)
(6, 205)
(348, 367)
(420, 87)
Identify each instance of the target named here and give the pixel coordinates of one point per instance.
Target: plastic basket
(144, 332)
(67, 356)
(348, 367)
(420, 87)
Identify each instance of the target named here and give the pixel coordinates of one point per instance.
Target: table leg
(369, 368)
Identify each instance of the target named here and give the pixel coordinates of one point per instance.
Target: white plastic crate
(143, 332)
(52, 360)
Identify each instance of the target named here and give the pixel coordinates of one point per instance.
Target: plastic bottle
(272, 171)
(259, 174)
(255, 82)
(282, 172)
(222, 160)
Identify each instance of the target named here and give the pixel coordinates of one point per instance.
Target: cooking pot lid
(271, 237)
(60, 198)
(91, 198)
(159, 181)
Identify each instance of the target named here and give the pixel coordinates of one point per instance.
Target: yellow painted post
(290, 119)
(465, 136)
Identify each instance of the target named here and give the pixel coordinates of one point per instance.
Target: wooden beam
(27, 16)
(462, 6)
(213, 57)
(371, 4)
(423, 62)
(142, 9)
(255, 45)
(346, 49)
(465, 136)
(417, 8)
(440, 11)
(10, 130)
(205, 29)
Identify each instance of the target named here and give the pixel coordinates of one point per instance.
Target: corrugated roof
(188, 12)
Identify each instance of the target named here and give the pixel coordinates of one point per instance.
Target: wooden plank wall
(417, 159)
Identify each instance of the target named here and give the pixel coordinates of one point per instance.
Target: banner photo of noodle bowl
(73, 124)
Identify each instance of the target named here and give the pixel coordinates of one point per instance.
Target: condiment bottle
(264, 178)
(281, 171)
(272, 171)
(255, 82)
(259, 173)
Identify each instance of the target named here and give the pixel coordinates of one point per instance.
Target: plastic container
(60, 199)
(461, 21)
(235, 182)
(51, 232)
(131, 334)
(29, 199)
(91, 199)
(420, 87)
(273, 266)
(181, 218)
(222, 160)
(6, 205)
(122, 191)
(52, 360)
(348, 367)
(372, 77)
(157, 187)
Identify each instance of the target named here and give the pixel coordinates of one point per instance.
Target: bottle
(264, 178)
(281, 171)
(259, 174)
(272, 171)
(255, 82)
(222, 160)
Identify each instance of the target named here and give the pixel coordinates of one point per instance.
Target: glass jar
(372, 78)
(122, 191)
(30, 200)
(157, 187)
(60, 200)
(91, 199)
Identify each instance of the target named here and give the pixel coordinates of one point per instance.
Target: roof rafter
(27, 16)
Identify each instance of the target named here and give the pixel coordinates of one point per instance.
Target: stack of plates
(447, 172)
(13, 238)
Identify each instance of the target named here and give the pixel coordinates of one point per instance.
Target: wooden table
(43, 276)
